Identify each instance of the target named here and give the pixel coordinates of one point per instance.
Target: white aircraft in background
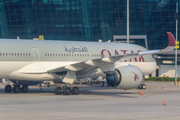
(28, 62)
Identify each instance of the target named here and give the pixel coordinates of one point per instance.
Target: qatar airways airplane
(29, 62)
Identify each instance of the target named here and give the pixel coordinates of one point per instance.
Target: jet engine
(125, 77)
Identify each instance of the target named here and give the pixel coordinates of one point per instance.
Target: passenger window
(20, 54)
(6, 54)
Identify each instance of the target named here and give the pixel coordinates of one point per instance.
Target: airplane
(29, 62)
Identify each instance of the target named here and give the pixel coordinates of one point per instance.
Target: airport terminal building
(90, 20)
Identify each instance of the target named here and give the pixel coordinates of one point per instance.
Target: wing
(112, 59)
(51, 67)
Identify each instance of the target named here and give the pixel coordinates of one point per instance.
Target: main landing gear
(16, 88)
(66, 90)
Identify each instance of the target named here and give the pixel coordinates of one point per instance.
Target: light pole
(176, 40)
(127, 21)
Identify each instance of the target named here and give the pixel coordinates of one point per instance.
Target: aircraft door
(36, 54)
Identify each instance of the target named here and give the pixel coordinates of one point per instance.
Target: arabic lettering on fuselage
(73, 49)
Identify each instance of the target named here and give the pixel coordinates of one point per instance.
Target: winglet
(171, 39)
(171, 45)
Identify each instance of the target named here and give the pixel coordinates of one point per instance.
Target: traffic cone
(162, 87)
(142, 93)
(164, 102)
(172, 83)
(139, 91)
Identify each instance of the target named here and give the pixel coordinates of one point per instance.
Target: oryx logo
(135, 76)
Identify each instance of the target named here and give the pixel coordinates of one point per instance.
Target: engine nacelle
(125, 77)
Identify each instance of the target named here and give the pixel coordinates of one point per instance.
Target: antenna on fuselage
(100, 40)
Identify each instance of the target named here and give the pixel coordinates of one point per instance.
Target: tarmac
(93, 103)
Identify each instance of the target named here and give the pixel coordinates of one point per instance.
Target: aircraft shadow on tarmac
(109, 93)
(82, 92)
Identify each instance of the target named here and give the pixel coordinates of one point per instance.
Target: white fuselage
(31, 60)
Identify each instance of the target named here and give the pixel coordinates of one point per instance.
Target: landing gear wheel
(8, 88)
(75, 90)
(58, 90)
(67, 91)
(24, 89)
(16, 89)
(142, 86)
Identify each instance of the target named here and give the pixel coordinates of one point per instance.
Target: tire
(16, 89)
(143, 86)
(75, 90)
(58, 90)
(8, 88)
(67, 91)
(24, 89)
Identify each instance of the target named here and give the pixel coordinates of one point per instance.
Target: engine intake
(114, 79)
